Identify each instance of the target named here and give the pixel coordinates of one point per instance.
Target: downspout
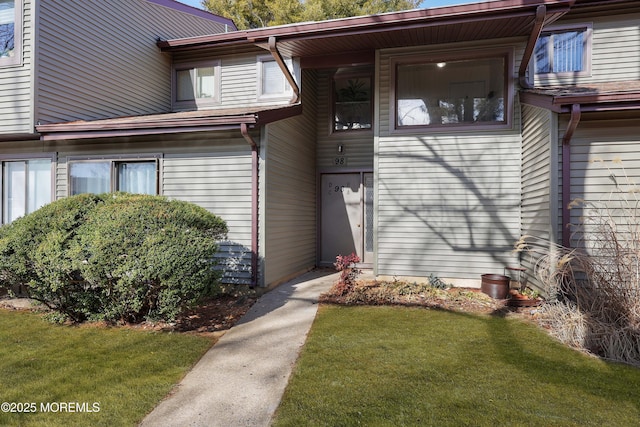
(566, 173)
(273, 48)
(254, 203)
(541, 13)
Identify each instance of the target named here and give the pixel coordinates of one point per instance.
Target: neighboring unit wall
(238, 76)
(212, 170)
(605, 169)
(539, 184)
(16, 95)
(615, 53)
(99, 59)
(447, 201)
(289, 235)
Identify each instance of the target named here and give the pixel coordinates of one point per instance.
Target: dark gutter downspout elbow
(273, 48)
(541, 14)
(254, 203)
(566, 173)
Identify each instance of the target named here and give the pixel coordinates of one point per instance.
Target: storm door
(346, 223)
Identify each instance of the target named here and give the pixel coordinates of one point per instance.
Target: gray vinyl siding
(358, 145)
(100, 59)
(605, 153)
(290, 231)
(16, 95)
(238, 77)
(539, 182)
(212, 170)
(448, 202)
(448, 206)
(239, 84)
(615, 51)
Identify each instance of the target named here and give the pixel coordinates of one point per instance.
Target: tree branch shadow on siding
(478, 202)
(234, 260)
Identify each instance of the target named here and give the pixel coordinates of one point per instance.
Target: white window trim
(586, 59)
(16, 59)
(197, 103)
(25, 157)
(288, 93)
(113, 159)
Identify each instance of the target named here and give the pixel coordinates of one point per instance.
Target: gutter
(58, 136)
(273, 48)
(541, 14)
(11, 137)
(244, 130)
(566, 173)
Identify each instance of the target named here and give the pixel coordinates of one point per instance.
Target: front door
(346, 216)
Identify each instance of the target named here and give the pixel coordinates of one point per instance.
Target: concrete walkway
(241, 379)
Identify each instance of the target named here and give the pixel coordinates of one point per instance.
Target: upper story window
(26, 186)
(352, 100)
(10, 32)
(272, 84)
(105, 175)
(563, 50)
(452, 91)
(196, 84)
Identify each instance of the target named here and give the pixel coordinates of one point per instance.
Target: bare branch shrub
(598, 283)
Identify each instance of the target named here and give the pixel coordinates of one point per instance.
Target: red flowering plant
(346, 264)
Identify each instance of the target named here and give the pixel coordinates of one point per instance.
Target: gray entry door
(346, 216)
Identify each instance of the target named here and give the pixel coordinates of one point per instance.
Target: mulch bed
(466, 300)
(218, 314)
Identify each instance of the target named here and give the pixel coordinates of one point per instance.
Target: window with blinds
(564, 50)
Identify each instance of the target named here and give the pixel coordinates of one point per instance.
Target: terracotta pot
(516, 299)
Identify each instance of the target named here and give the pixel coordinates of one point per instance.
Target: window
(26, 186)
(103, 176)
(452, 92)
(563, 50)
(197, 85)
(352, 106)
(272, 84)
(10, 32)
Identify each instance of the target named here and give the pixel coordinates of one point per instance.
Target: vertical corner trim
(273, 48)
(566, 173)
(244, 130)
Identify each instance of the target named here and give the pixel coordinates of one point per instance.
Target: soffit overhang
(470, 22)
(611, 96)
(177, 122)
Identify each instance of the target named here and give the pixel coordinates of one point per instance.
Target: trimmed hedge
(114, 257)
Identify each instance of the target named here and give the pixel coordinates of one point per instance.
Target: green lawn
(392, 366)
(124, 372)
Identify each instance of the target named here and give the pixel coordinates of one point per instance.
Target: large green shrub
(34, 253)
(125, 257)
(148, 256)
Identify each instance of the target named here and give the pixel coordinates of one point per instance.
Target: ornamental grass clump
(598, 283)
(114, 257)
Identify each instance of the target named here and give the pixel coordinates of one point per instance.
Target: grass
(393, 366)
(126, 372)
